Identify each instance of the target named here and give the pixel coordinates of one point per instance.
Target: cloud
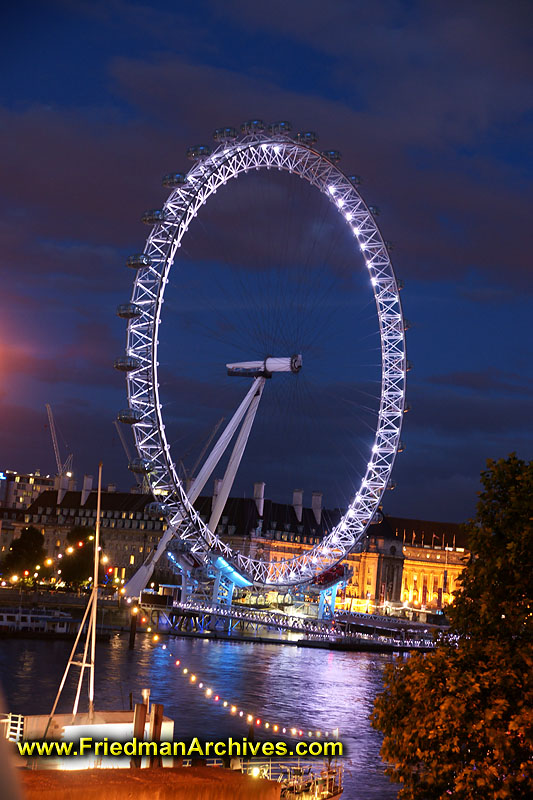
(488, 380)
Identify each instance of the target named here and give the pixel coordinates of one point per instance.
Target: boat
(35, 620)
(302, 779)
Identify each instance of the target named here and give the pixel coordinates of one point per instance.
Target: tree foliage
(458, 722)
(25, 552)
(497, 588)
(78, 567)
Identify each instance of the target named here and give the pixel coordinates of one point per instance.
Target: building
(401, 562)
(19, 490)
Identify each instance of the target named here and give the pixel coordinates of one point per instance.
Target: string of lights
(290, 731)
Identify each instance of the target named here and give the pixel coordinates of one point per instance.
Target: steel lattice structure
(258, 148)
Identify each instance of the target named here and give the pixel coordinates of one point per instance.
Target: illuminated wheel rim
(255, 150)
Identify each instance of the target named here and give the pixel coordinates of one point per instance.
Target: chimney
(216, 491)
(87, 486)
(316, 505)
(111, 487)
(259, 497)
(297, 503)
(62, 487)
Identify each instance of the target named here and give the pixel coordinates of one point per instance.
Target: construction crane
(62, 469)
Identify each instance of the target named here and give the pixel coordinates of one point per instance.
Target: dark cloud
(487, 380)
(429, 102)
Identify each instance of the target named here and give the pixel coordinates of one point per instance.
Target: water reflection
(317, 689)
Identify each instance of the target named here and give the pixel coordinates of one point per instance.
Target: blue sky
(430, 103)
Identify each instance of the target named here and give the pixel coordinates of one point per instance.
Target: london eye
(256, 148)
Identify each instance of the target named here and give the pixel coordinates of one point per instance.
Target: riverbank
(345, 645)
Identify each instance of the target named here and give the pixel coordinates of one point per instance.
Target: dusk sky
(431, 103)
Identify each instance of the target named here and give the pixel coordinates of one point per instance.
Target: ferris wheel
(257, 147)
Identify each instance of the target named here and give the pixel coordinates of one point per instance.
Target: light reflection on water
(317, 689)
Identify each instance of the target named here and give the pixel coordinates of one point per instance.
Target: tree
(77, 566)
(25, 552)
(458, 722)
(497, 588)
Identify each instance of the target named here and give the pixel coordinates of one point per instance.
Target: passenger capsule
(198, 151)
(156, 509)
(280, 127)
(331, 155)
(401, 447)
(407, 324)
(140, 466)
(173, 179)
(129, 311)
(253, 126)
(126, 363)
(374, 210)
(225, 134)
(129, 416)
(307, 137)
(406, 408)
(400, 283)
(389, 245)
(153, 216)
(355, 179)
(408, 366)
(138, 261)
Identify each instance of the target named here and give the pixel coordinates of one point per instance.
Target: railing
(12, 727)
(312, 629)
(300, 778)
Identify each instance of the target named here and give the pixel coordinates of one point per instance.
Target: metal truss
(257, 150)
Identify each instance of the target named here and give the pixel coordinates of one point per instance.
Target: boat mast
(90, 614)
(94, 594)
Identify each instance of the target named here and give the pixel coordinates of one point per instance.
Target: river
(307, 688)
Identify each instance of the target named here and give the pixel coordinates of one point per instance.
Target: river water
(307, 688)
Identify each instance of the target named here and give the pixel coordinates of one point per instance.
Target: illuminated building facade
(19, 490)
(401, 563)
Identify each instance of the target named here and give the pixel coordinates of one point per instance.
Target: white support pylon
(140, 579)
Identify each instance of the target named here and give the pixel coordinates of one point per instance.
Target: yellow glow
(123, 591)
(156, 638)
(249, 718)
(105, 559)
(70, 550)
(149, 630)
(276, 728)
(185, 670)
(208, 692)
(193, 678)
(234, 709)
(48, 562)
(134, 610)
(255, 772)
(14, 578)
(225, 703)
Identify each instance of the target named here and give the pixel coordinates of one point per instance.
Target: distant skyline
(429, 103)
